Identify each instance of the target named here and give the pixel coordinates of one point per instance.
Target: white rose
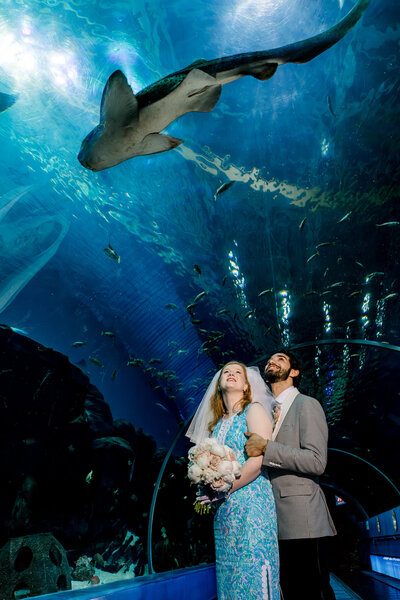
(207, 443)
(217, 449)
(194, 473)
(225, 468)
(208, 476)
(236, 468)
(225, 487)
(203, 460)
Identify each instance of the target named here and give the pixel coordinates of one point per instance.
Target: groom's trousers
(304, 569)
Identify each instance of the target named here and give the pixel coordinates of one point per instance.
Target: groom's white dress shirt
(284, 401)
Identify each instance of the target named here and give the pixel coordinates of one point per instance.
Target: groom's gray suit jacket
(295, 460)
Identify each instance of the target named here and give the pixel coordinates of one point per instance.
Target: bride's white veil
(198, 428)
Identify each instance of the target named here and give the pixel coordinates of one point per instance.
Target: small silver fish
(388, 224)
(303, 222)
(312, 257)
(135, 362)
(112, 254)
(96, 362)
(354, 294)
(337, 284)
(265, 292)
(393, 295)
(344, 218)
(199, 296)
(324, 244)
(222, 188)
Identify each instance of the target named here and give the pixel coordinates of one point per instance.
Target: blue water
(317, 141)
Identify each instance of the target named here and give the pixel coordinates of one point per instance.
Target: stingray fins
(198, 92)
(119, 106)
(157, 142)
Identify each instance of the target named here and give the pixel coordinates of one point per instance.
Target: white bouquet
(213, 465)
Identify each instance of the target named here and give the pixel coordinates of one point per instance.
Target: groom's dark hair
(294, 364)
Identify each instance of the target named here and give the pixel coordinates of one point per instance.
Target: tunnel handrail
(368, 463)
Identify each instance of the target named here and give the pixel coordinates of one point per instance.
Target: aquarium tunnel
(184, 184)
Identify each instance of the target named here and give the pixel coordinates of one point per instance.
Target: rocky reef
(69, 468)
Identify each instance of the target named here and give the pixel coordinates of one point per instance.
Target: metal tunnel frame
(183, 426)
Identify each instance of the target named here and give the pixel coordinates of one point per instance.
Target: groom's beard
(277, 375)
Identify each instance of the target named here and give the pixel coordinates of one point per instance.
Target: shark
(130, 124)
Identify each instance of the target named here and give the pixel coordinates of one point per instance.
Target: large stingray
(130, 124)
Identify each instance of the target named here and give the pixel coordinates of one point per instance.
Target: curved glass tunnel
(276, 222)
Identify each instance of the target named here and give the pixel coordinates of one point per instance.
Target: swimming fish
(96, 362)
(325, 244)
(337, 284)
(393, 295)
(346, 216)
(112, 254)
(225, 186)
(312, 257)
(301, 226)
(329, 101)
(222, 311)
(130, 124)
(199, 296)
(357, 293)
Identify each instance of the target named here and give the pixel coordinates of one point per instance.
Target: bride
(245, 529)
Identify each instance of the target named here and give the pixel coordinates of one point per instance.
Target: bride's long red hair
(217, 401)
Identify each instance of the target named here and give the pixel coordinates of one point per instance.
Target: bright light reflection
(238, 279)
(285, 312)
(257, 8)
(380, 313)
(29, 59)
(324, 147)
(328, 322)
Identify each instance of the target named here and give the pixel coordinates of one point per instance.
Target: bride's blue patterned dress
(246, 542)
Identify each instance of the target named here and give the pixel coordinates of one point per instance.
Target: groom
(295, 456)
